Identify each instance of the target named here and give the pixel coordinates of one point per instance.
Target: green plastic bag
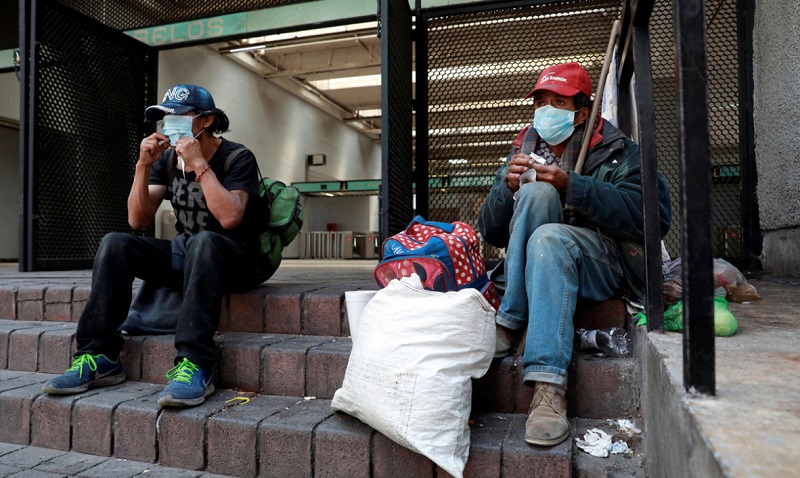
(725, 323)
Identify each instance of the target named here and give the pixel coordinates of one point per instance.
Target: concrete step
(307, 309)
(313, 365)
(269, 436)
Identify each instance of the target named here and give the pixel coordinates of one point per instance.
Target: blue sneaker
(188, 386)
(87, 371)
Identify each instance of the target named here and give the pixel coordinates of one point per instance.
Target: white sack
(410, 369)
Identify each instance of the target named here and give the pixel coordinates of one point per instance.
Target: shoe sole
(170, 401)
(551, 442)
(101, 382)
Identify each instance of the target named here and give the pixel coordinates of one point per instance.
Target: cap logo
(553, 78)
(176, 94)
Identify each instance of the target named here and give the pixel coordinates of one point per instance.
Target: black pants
(214, 265)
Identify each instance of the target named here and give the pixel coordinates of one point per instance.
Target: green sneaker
(189, 385)
(87, 371)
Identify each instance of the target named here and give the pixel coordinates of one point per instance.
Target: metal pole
(751, 230)
(26, 127)
(647, 142)
(695, 178)
(421, 104)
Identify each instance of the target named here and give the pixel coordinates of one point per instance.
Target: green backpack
(280, 217)
(283, 218)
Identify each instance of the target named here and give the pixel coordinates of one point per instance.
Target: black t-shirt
(188, 200)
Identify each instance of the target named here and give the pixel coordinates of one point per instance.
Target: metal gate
(84, 87)
(482, 60)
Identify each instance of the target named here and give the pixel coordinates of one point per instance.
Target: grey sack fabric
(156, 308)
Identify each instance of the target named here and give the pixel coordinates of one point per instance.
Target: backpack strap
(171, 161)
(231, 156)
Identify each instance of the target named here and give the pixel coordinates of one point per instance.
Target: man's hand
(518, 164)
(150, 149)
(189, 149)
(552, 174)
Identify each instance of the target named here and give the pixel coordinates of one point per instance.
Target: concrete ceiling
(336, 69)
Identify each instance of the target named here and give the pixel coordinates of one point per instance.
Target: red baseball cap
(565, 79)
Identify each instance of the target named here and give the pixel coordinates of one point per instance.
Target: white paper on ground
(595, 442)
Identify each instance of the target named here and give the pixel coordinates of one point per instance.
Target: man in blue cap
(215, 250)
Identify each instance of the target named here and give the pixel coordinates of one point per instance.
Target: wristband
(197, 179)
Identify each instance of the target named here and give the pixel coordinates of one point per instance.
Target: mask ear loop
(183, 163)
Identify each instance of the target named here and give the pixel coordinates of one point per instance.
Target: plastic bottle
(613, 342)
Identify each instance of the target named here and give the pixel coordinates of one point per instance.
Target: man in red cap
(567, 235)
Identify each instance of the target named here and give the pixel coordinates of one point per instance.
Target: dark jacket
(607, 196)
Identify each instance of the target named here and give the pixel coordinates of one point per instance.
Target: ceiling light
(457, 161)
(368, 113)
(246, 48)
(362, 81)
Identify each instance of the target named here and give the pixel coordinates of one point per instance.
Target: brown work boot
(547, 423)
(507, 341)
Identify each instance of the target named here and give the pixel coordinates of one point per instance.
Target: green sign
(319, 187)
(364, 185)
(200, 29)
(249, 23)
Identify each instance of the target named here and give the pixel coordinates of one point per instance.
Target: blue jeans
(548, 265)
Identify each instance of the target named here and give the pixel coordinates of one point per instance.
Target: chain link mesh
(132, 14)
(90, 94)
(480, 67)
(9, 25)
(723, 119)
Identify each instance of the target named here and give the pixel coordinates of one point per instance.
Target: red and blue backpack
(445, 256)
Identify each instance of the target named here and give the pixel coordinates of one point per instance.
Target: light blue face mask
(176, 127)
(554, 125)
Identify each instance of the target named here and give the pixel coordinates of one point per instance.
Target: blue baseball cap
(181, 99)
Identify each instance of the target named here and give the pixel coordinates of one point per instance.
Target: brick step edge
(310, 309)
(297, 365)
(22, 460)
(265, 435)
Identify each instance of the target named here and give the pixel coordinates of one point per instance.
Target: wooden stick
(598, 97)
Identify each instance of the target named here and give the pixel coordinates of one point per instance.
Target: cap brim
(156, 112)
(563, 90)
